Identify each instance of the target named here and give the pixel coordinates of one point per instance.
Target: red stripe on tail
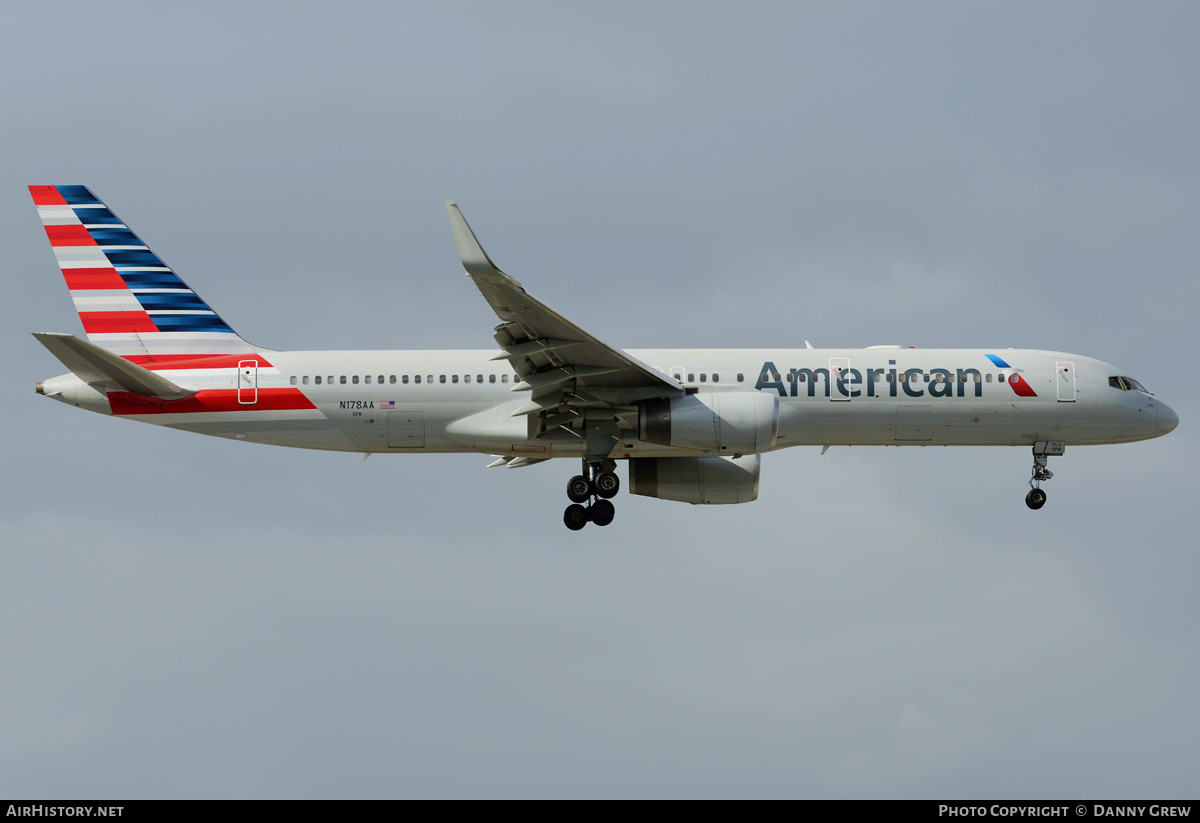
(69, 236)
(46, 196)
(112, 322)
(82, 279)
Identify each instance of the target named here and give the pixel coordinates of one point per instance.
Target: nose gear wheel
(1036, 497)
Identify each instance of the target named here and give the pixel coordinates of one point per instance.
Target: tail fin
(130, 302)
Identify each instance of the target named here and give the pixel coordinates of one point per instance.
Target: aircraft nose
(1167, 419)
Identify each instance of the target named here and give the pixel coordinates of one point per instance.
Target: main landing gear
(1036, 497)
(594, 487)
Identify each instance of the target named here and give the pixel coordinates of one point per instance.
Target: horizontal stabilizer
(101, 368)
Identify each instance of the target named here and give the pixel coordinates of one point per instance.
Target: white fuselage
(462, 400)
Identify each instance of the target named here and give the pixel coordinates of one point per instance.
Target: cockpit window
(1126, 384)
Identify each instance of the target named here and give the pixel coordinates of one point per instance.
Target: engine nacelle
(706, 480)
(734, 422)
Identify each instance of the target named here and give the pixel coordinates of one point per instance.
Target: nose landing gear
(1041, 451)
(594, 487)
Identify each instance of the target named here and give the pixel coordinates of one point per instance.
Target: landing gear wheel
(603, 512)
(579, 489)
(607, 484)
(1035, 499)
(576, 517)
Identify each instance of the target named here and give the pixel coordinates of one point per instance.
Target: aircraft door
(839, 367)
(1066, 382)
(247, 382)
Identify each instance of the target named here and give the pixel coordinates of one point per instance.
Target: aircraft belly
(958, 423)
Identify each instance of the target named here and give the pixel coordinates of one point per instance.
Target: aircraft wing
(564, 368)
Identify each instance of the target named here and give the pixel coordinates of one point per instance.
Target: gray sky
(188, 617)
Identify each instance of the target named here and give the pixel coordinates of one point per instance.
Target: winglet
(100, 367)
(474, 259)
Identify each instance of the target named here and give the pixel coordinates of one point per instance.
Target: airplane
(692, 424)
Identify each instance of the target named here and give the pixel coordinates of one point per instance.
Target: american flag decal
(387, 404)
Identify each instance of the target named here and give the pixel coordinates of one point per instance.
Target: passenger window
(741, 378)
(975, 378)
(429, 378)
(404, 379)
(776, 378)
(802, 378)
(678, 376)
(342, 379)
(416, 378)
(691, 377)
(903, 377)
(367, 379)
(381, 379)
(766, 378)
(441, 378)
(927, 378)
(304, 379)
(454, 378)
(479, 378)
(716, 378)
(1000, 377)
(504, 378)
(392, 379)
(466, 378)
(354, 379)
(989, 377)
(329, 379)
(491, 378)
(317, 379)
(789, 377)
(293, 380)
(703, 378)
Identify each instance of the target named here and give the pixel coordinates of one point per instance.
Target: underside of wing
(577, 386)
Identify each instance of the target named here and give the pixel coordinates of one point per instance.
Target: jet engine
(736, 422)
(706, 480)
